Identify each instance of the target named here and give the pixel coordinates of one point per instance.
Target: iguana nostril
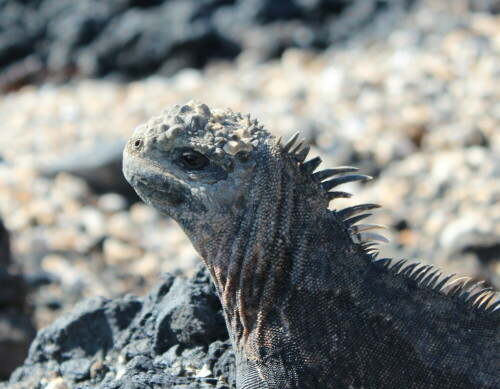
(138, 143)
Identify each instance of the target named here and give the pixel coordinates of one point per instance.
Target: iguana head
(196, 164)
(209, 169)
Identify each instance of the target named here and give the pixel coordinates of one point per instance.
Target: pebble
(116, 251)
(119, 225)
(93, 221)
(452, 233)
(111, 202)
(58, 383)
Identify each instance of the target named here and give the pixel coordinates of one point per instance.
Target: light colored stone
(58, 383)
(147, 265)
(119, 225)
(112, 202)
(116, 252)
(93, 221)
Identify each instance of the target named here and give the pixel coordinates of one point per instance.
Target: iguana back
(306, 302)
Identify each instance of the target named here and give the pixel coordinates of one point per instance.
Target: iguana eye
(194, 160)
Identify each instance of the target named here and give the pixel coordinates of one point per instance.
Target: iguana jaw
(159, 189)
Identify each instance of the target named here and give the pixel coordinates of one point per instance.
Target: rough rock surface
(16, 327)
(173, 337)
(4, 246)
(60, 39)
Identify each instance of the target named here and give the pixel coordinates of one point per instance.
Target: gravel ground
(413, 101)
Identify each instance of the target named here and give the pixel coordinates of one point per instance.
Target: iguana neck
(256, 260)
(299, 293)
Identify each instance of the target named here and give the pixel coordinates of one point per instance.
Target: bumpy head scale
(218, 134)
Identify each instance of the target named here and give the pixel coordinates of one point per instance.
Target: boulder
(16, 327)
(173, 337)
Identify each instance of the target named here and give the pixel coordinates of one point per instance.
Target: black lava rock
(60, 39)
(16, 327)
(174, 337)
(4, 246)
(486, 247)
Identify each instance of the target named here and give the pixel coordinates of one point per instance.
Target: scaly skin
(305, 302)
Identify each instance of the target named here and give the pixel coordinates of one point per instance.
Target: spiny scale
(458, 282)
(421, 273)
(477, 297)
(369, 245)
(430, 281)
(384, 262)
(323, 174)
(353, 220)
(399, 264)
(486, 301)
(366, 227)
(481, 300)
(466, 296)
(439, 287)
(291, 141)
(310, 166)
(480, 291)
(358, 234)
(299, 145)
(475, 286)
(368, 237)
(425, 276)
(493, 307)
(301, 157)
(459, 287)
(408, 270)
(345, 213)
(327, 185)
(418, 271)
(337, 194)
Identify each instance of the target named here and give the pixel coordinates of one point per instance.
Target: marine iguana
(306, 302)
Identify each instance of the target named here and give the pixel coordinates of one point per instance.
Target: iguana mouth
(154, 187)
(165, 193)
